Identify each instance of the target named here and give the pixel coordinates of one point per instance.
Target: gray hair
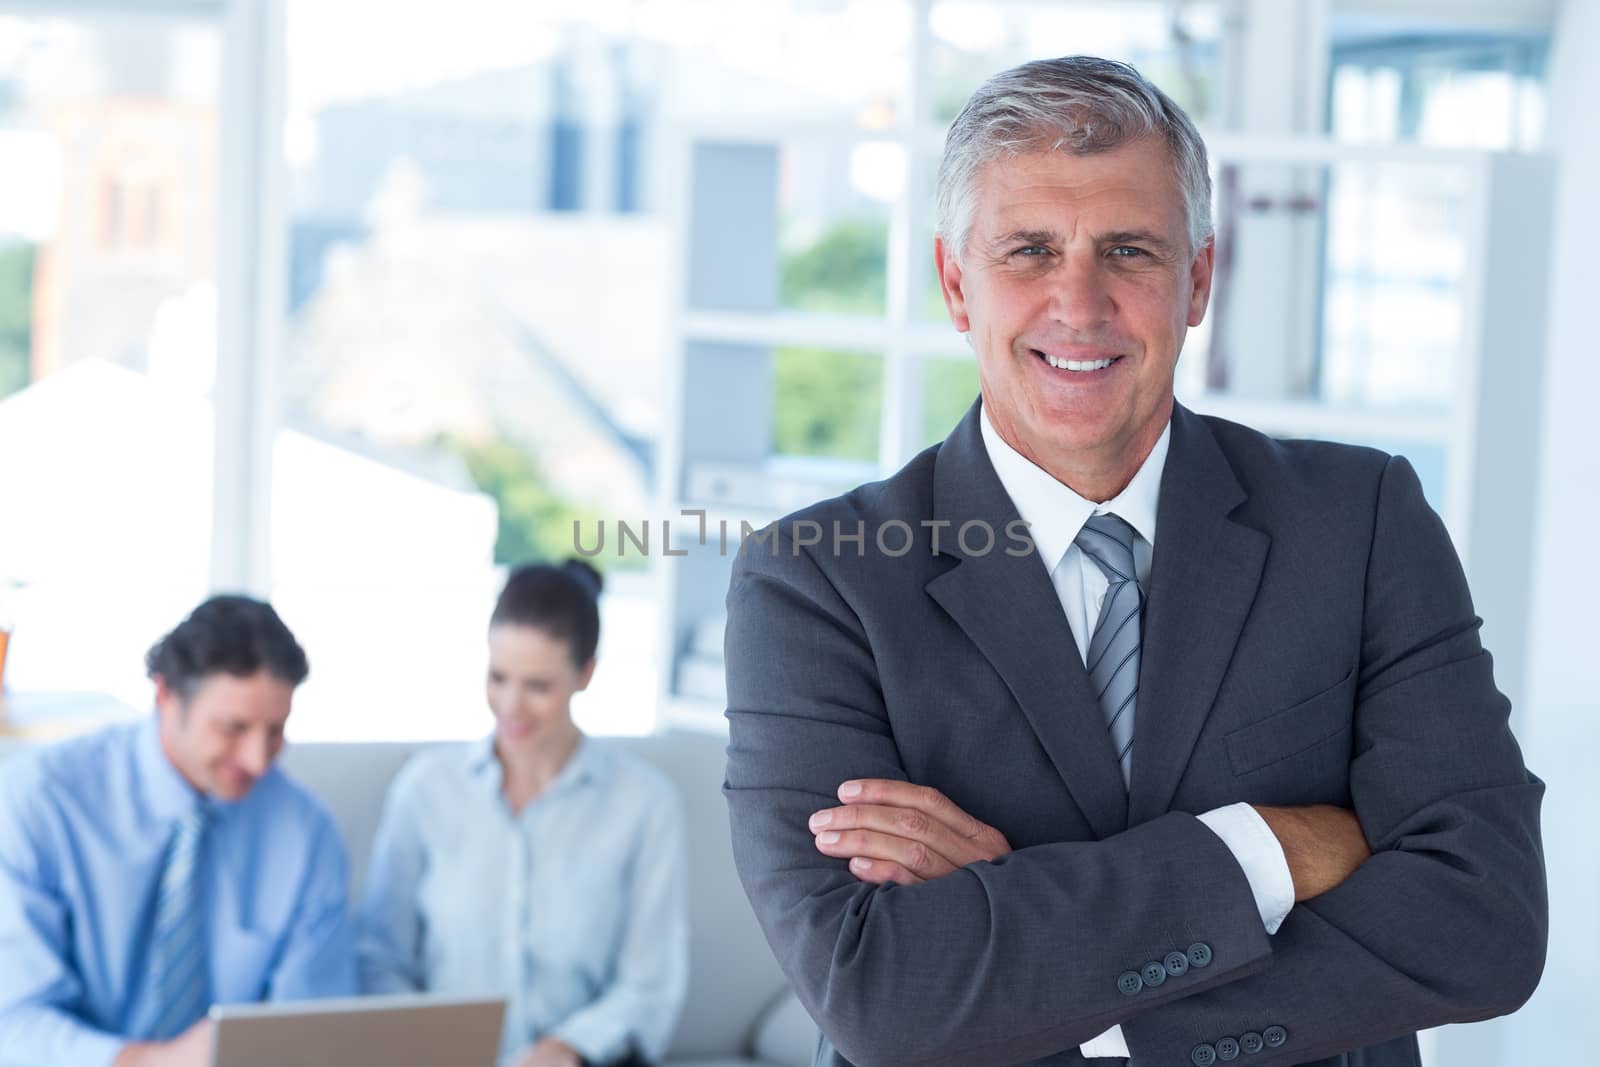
(1077, 104)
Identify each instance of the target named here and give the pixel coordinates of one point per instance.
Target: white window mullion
(900, 432)
(251, 246)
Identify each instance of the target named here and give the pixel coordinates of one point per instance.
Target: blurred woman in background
(538, 864)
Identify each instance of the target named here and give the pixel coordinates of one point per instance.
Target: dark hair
(226, 635)
(559, 599)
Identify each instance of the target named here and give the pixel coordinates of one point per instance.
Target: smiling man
(1215, 768)
(151, 870)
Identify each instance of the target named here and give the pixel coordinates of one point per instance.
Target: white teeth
(1073, 364)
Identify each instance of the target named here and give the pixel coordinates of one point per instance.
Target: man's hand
(898, 832)
(1323, 844)
(192, 1048)
(549, 1052)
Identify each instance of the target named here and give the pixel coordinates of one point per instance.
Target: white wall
(1561, 722)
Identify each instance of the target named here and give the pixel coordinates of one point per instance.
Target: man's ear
(1200, 273)
(949, 268)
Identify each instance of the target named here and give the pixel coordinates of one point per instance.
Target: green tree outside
(845, 271)
(949, 386)
(535, 520)
(16, 315)
(828, 403)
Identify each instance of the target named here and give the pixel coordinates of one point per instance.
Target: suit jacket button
(1129, 983)
(1177, 964)
(1153, 974)
(1251, 1042)
(1274, 1036)
(1227, 1049)
(1199, 954)
(1203, 1056)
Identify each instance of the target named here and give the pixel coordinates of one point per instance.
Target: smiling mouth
(1077, 366)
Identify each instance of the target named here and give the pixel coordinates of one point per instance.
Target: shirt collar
(585, 765)
(1054, 512)
(168, 793)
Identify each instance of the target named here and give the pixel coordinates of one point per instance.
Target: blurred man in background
(151, 870)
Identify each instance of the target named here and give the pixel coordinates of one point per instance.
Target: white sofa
(739, 1011)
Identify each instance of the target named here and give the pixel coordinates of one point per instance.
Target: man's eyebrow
(1136, 237)
(1020, 238)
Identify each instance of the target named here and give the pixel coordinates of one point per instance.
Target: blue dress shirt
(84, 831)
(576, 909)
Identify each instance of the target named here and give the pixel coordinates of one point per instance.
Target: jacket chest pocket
(1302, 730)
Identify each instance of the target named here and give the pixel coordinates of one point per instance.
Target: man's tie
(178, 950)
(1113, 659)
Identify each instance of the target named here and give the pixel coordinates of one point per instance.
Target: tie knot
(1108, 540)
(193, 822)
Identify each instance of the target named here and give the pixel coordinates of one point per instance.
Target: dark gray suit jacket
(1308, 638)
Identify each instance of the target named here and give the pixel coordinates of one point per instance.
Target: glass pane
(1341, 283)
(108, 136)
(1393, 289)
(481, 317)
(949, 386)
(1178, 51)
(834, 224)
(1458, 90)
(826, 404)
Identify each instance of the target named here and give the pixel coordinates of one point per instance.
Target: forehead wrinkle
(1026, 196)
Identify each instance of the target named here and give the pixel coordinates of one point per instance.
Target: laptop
(388, 1031)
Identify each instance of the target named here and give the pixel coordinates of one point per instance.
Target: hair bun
(585, 573)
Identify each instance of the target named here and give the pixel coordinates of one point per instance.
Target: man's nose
(256, 754)
(1079, 296)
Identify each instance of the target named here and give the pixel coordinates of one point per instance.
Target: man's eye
(1127, 252)
(1031, 251)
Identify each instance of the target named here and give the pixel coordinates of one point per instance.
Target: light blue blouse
(576, 910)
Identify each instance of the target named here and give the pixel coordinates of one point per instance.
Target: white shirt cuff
(1110, 1043)
(1256, 848)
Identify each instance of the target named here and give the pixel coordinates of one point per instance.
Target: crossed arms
(1016, 957)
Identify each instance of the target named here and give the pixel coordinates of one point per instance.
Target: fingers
(980, 841)
(915, 858)
(932, 803)
(902, 833)
(881, 872)
(908, 824)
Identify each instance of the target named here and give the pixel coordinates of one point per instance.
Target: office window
(108, 133)
(481, 283)
(1390, 82)
(1394, 238)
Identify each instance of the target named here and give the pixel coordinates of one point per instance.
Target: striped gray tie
(1113, 658)
(179, 947)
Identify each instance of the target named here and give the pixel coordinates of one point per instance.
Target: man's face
(1080, 258)
(224, 737)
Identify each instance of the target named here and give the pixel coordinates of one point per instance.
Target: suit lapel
(1007, 607)
(1204, 577)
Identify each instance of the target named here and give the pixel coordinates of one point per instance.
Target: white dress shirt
(575, 909)
(1055, 514)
